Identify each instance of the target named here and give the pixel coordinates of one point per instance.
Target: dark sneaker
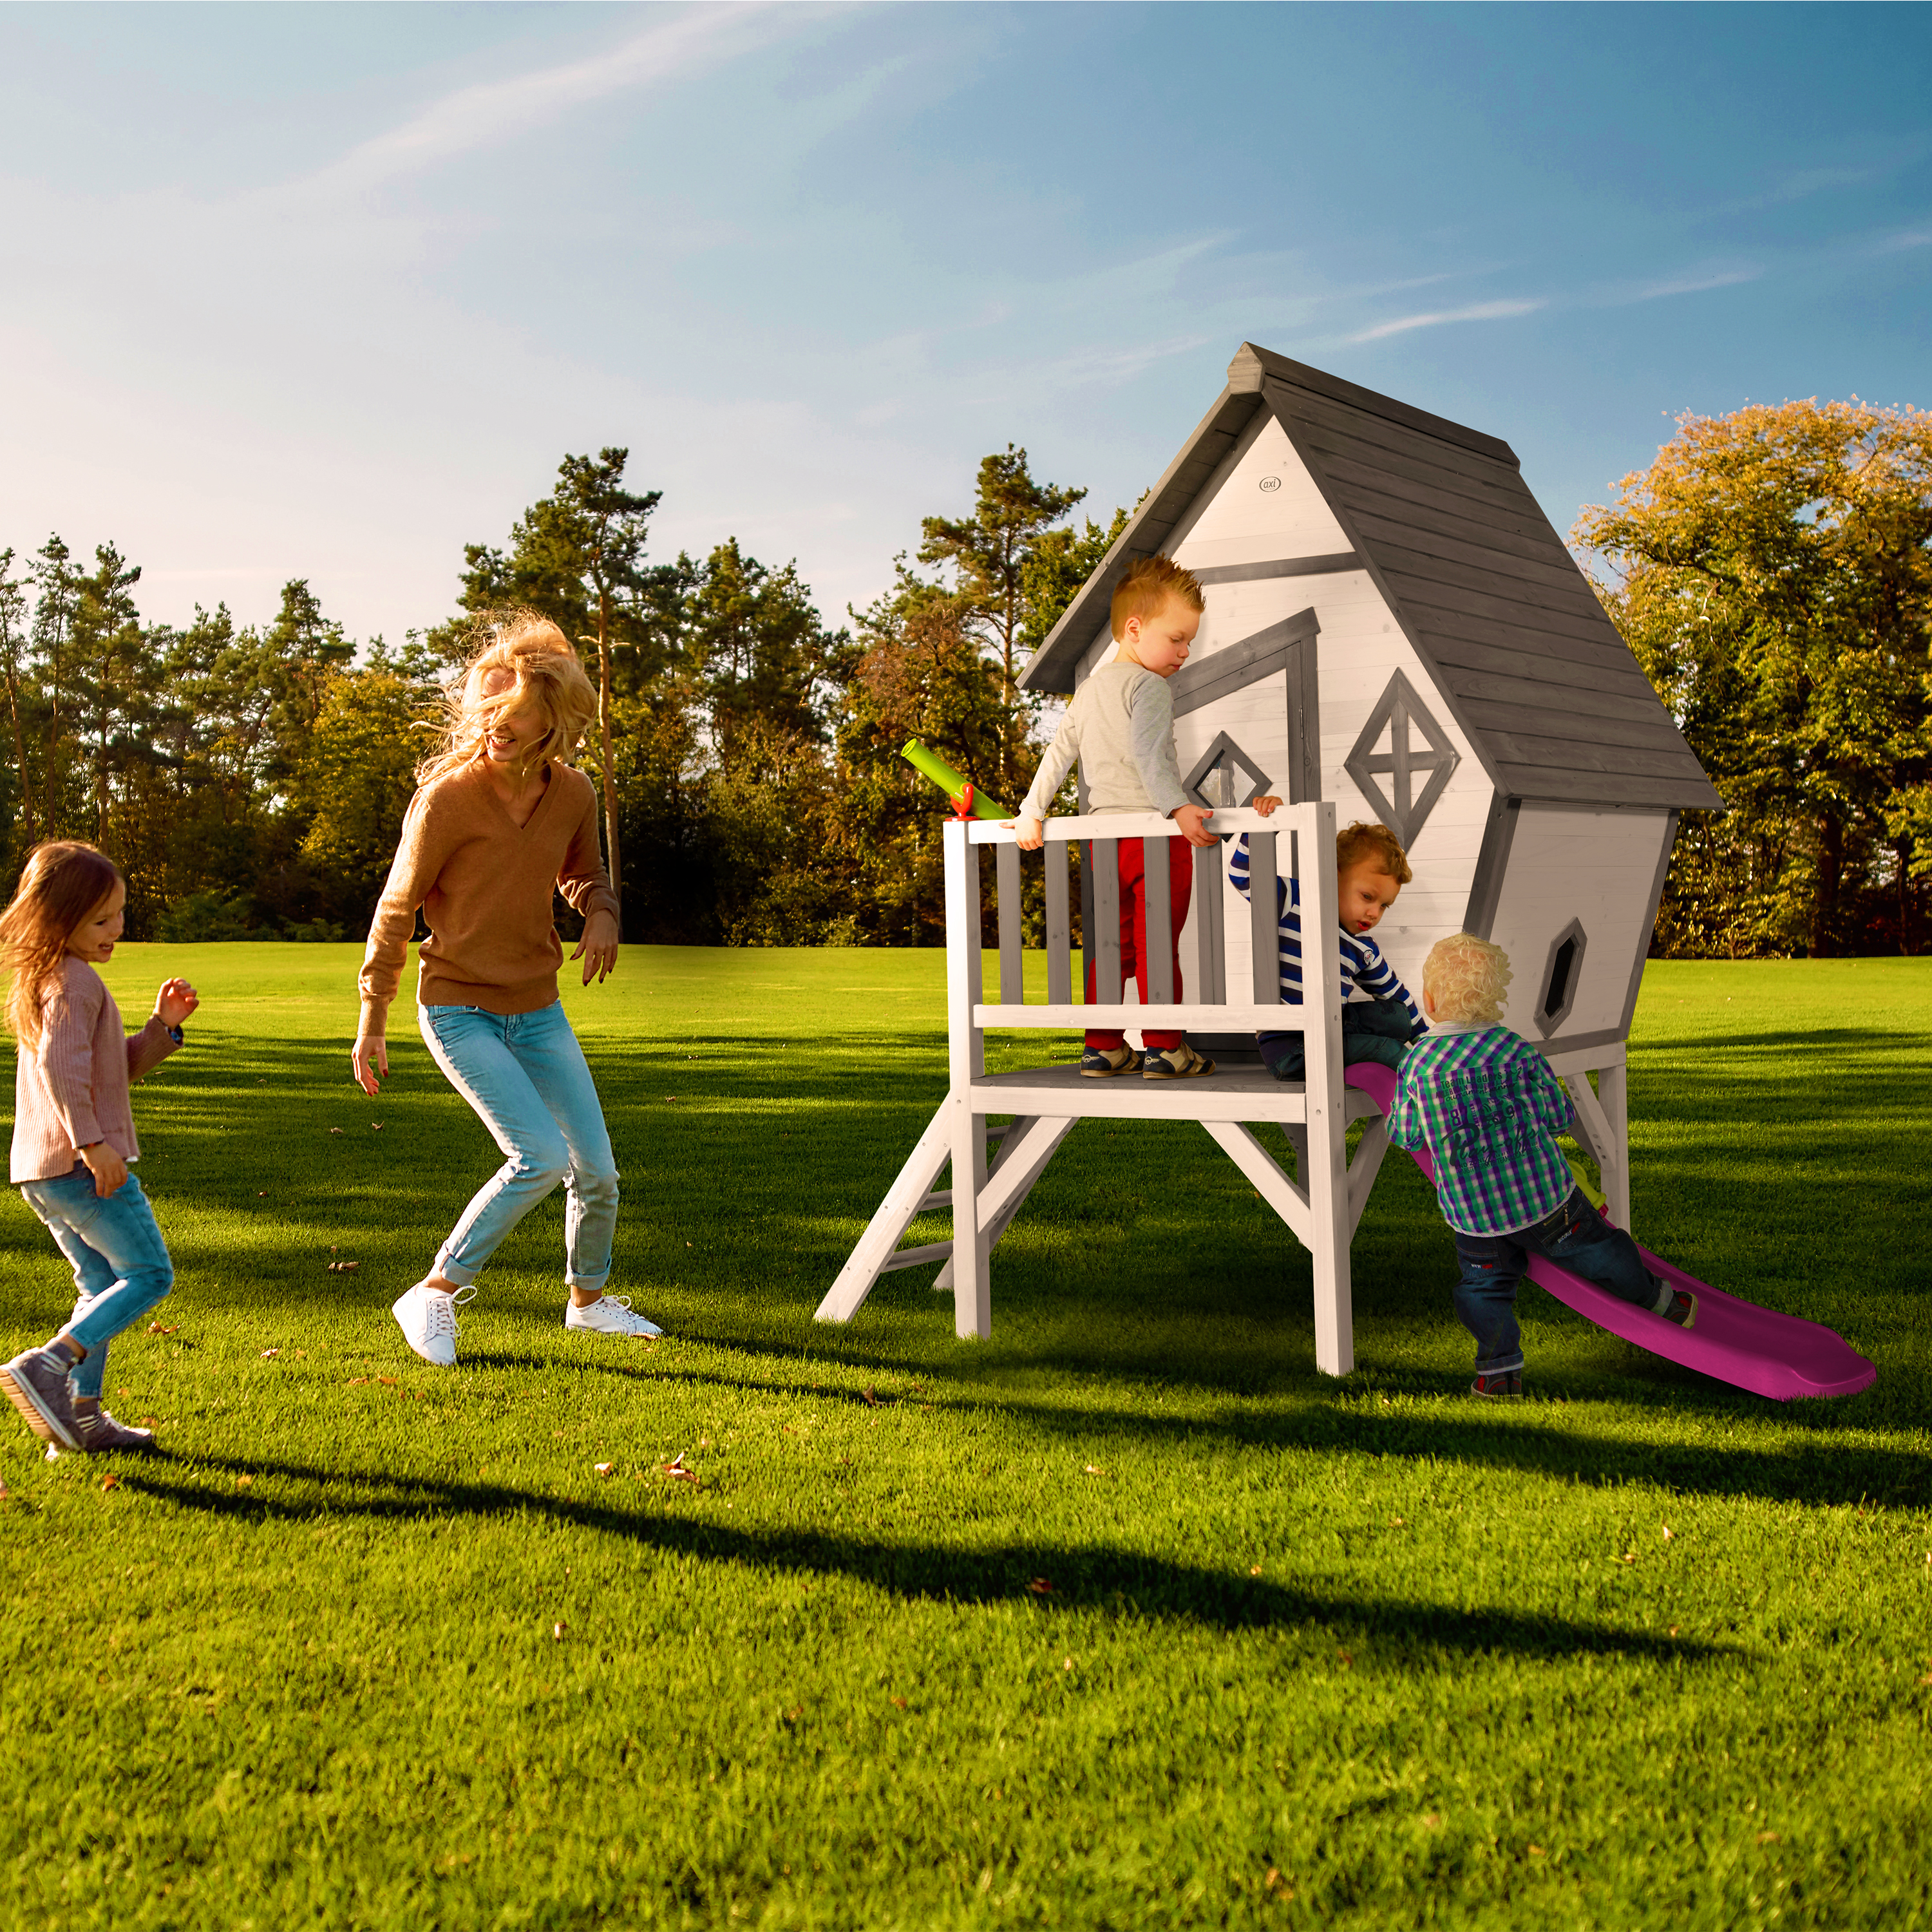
(1683, 1309)
(1508, 1383)
(1178, 1063)
(99, 1432)
(38, 1386)
(1103, 1062)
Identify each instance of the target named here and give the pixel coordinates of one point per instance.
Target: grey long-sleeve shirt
(1120, 726)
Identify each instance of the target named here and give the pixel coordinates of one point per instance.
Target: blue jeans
(527, 1077)
(120, 1262)
(1576, 1238)
(1375, 1030)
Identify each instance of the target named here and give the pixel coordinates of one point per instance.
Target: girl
(73, 1133)
(498, 822)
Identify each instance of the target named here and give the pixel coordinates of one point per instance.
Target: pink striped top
(71, 1087)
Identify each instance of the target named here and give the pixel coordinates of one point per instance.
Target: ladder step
(940, 1197)
(906, 1258)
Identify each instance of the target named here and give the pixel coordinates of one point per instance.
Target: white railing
(1292, 830)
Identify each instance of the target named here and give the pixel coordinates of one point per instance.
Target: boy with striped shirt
(1486, 1105)
(1371, 868)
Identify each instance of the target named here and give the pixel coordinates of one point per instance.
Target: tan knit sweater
(71, 1087)
(484, 885)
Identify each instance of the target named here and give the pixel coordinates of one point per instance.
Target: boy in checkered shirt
(1486, 1105)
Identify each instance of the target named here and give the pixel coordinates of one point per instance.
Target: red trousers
(1134, 939)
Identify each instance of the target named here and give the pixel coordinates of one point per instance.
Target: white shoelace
(443, 1310)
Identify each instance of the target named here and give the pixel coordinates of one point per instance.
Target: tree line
(1772, 571)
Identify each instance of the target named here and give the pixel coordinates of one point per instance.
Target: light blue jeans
(120, 1262)
(527, 1077)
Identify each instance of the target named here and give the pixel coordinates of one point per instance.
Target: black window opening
(1562, 975)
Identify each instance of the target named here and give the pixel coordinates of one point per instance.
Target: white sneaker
(610, 1314)
(427, 1319)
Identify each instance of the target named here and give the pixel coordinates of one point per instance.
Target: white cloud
(490, 111)
(1488, 311)
(1693, 282)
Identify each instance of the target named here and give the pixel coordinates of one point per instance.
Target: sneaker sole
(24, 1397)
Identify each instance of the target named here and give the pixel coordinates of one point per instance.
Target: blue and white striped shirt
(1362, 964)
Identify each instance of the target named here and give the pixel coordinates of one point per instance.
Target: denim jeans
(120, 1262)
(526, 1078)
(1375, 1030)
(1576, 1238)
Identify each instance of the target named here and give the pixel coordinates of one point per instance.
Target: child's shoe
(610, 1314)
(36, 1384)
(1176, 1062)
(427, 1319)
(1683, 1309)
(1507, 1382)
(1102, 1062)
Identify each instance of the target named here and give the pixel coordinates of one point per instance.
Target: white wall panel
(1599, 867)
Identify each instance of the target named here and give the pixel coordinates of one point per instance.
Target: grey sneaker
(99, 1433)
(37, 1385)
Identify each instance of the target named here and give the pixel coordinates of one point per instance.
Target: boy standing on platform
(1119, 726)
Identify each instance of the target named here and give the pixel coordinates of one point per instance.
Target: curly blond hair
(520, 658)
(1467, 980)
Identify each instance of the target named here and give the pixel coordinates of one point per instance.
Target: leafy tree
(57, 586)
(14, 667)
(1058, 564)
(988, 553)
(1774, 577)
(577, 557)
(761, 652)
(108, 650)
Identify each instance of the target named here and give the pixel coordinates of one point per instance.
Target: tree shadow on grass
(1076, 1577)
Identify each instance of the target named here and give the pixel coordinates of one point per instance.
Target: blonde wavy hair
(520, 658)
(1468, 979)
(63, 880)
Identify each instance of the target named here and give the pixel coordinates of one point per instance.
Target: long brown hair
(63, 882)
(521, 656)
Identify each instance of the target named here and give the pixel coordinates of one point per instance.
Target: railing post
(1210, 952)
(1156, 901)
(1326, 1176)
(1012, 977)
(1059, 927)
(1613, 1094)
(1106, 948)
(1264, 920)
(972, 1294)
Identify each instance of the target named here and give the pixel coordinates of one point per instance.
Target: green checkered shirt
(1485, 1102)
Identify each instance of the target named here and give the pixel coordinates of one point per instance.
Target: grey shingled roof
(1546, 692)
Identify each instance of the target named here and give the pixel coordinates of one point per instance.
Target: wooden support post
(1090, 958)
(1105, 945)
(972, 1294)
(1326, 1178)
(1059, 927)
(1613, 1093)
(1156, 901)
(1012, 978)
(907, 1197)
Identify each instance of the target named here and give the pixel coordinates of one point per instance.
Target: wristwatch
(174, 1032)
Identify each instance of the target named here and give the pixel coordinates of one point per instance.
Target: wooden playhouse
(1393, 630)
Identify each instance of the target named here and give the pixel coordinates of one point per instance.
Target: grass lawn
(1126, 1617)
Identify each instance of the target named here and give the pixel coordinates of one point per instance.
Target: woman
(500, 822)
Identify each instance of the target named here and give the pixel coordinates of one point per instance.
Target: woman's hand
(174, 1002)
(370, 1056)
(108, 1169)
(597, 948)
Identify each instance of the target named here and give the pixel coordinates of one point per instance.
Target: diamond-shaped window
(1225, 776)
(1402, 783)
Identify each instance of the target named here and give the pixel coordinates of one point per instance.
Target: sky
(328, 292)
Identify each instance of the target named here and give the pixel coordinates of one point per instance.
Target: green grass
(1356, 1653)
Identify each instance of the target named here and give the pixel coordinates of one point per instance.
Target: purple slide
(1756, 1348)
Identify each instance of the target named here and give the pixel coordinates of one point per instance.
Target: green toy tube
(1590, 1194)
(935, 767)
